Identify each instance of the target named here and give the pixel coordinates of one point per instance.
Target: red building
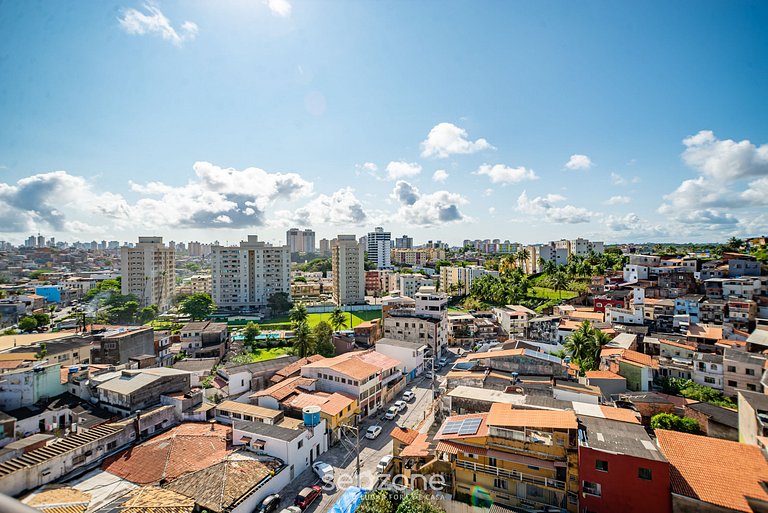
(601, 302)
(621, 469)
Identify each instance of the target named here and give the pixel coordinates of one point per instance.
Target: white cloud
(400, 169)
(342, 208)
(447, 139)
(421, 209)
(724, 160)
(618, 200)
(756, 192)
(440, 175)
(500, 173)
(370, 166)
(139, 23)
(632, 225)
(545, 206)
(617, 179)
(578, 162)
(279, 7)
(491, 210)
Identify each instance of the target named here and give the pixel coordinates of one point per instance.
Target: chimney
(213, 425)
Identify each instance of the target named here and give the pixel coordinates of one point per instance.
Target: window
(709, 380)
(750, 372)
(301, 444)
(732, 383)
(501, 484)
(751, 387)
(644, 473)
(591, 488)
(601, 465)
(731, 368)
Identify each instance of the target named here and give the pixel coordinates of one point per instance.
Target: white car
(373, 432)
(324, 471)
(442, 362)
(384, 463)
(428, 375)
(291, 509)
(392, 413)
(408, 396)
(400, 405)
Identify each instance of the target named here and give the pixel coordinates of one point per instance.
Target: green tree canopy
(42, 319)
(298, 314)
(303, 345)
(377, 501)
(197, 306)
(279, 302)
(250, 332)
(584, 346)
(418, 502)
(674, 423)
(108, 286)
(27, 324)
(337, 319)
(323, 338)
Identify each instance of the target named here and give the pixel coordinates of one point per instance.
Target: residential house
(250, 377)
(620, 468)
(753, 416)
(514, 319)
(410, 354)
(204, 339)
(199, 368)
(525, 362)
(136, 390)
(688, 305)
(743, 371)
(30, 383)
(608, 382)
(742, 313)
(522, 458)
(336, 409)
(714, 421)
(708, 370)
(228, 412)
(116, 346)
(292, 368)
(713, 311)
(734, 472)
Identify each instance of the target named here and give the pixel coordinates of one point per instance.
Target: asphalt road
(371, 451)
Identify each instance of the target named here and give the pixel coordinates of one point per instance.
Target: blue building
(51, 293)
(689, 305)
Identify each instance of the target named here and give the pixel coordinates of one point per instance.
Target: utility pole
(345, 436)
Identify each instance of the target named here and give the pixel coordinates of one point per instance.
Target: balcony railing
(511, 474)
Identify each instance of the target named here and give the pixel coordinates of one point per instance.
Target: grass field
(547, 293)
(259, 355)
(315, 318)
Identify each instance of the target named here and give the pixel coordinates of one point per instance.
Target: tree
(250, 332)
(197, 306)
(377, 501)
(300, 279)
(298, 314)
(674, 423)
(27, 324)
(558, 281)
(303, 345)
(323, 338)
(107, 287)
(279, 302)
(522, 257)
(42, 319)
(43, 351)
(418, 502)
(584, 346)
(337, 320)
(148, 314)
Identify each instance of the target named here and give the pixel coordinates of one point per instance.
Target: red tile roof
(185, 448)
(599, 374)
(419, 448)
(294, 368)
(404, 435)
(715, 471)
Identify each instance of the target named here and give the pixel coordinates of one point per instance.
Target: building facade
(379, 245)
(347, 261)
(147, 271)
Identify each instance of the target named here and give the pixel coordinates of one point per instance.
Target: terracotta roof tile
(505, 415)
(404, 435)
(599, 374)
(280, 391)
(294, 367)
(677, 344)
(455, 448)
(715, 471)
(419, 448)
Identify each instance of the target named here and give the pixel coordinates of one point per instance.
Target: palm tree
(337, 319)
(522, 257)
(558, 281)
(578, 343)
(303, 344)
(298, 314)
(506, 264)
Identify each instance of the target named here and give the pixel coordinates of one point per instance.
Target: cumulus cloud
(578, 162)
(618, 200)
(153, 21)
(500, 173)
(547, 207)
(401, 169)
(440, 175)
(279, 7)
(370, 166)
(632, 225)
(617, 179)
(447, 139)
(420, 209)
(340, 208)
(724, 160)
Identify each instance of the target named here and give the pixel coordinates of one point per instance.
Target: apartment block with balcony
(347, 262)
(708, 370)
(147, 271)
(743, 371)
(426, 322)
(458, 280)
(244, 277)
(522, 458)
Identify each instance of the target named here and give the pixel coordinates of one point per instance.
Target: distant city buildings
(458, 280)
(244, 277)
(147, 271)
(300, 241)
(347, 261)
(325, 247)
(404, 242)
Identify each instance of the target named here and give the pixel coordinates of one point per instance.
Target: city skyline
(528, 122)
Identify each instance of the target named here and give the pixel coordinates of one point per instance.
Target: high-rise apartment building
(379, 245)
(458, 280)
(147, 271)
(347, 261)
(404, 242)
(325, 247)
(244, 277)
(300, 241)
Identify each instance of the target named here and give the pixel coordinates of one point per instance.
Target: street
(371, 451)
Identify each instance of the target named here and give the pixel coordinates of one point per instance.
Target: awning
(520, 460)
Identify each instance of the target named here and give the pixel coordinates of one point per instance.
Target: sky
(444, 120)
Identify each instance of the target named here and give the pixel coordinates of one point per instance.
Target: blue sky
(211, 120)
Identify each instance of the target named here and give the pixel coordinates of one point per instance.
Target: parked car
(307, 496)
(270, 503)
(384, 463)
(324, 471)
(392, 413)
(400, 405)
(442, 362)
(291, 509)
(408, 396)
(373, 432)
(428, 374)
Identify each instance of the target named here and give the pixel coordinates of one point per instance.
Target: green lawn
(315, 318)
(547, 293)
(259, 355)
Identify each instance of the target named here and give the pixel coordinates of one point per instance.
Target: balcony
(511, 474)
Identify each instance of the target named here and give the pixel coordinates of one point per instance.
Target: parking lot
(371, 451)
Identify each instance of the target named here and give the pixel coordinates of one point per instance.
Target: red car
(307, 496)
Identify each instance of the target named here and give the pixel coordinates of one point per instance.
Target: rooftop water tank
(311, 415)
